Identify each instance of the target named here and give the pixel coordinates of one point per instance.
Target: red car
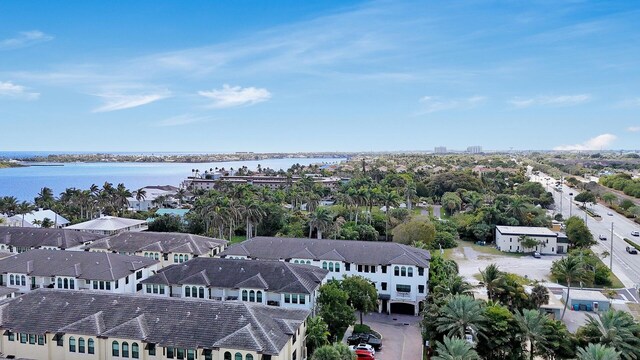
(364, 355)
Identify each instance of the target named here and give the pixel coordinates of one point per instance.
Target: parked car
(369, 339)
(635, 233)
(610, 213)
(363, 346)
(536, 255)
(602, 237)
(364, 355)
(632, 250)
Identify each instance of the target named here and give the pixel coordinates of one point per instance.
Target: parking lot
(401, 338)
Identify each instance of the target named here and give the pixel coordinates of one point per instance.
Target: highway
(625, 266)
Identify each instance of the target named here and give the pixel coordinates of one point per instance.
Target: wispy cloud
(120, 101)
(629, 103)
(180, 120)
(433, 104)
(560, 100)
(597, 143)
(24, 39)
(633, 128)
(9, 89)
(231, 96)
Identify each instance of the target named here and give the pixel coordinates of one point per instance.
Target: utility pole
(611, 252)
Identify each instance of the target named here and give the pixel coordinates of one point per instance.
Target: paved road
(625, 266)
(401, 338)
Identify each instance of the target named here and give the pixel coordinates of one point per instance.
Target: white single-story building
(110, 225)
(36, 217)
(586, 300)
(509, 239)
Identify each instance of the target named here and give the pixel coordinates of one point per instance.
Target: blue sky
(318, 75)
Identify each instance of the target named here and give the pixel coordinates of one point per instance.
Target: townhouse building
(549, 242)
(266, 282)
(19, 239)
(168, 248)
(400, 273)
(102, 326)
(75, 270)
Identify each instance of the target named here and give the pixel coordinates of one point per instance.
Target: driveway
(401, 338)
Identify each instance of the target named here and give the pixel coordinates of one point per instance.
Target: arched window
(115, 349)
(330, 266)
(194, 292)
(244, 295)
(66, 283)
(125, 349)
(337, 267)
(187, 291)
(396, 271)
(403, 271)
(259, 296)
(324, 265)
(81, 345)
(72, 284)
(249, 357)
(146, 254)
(72, 344)
(24, 280)
(11, 279)
(156, 256)
(238, 356)
(135, 351)
(227, 356)
(410, 270)
(201, 292)
(181, 258)
(186, 257)
(90, 346)
(309, 262)
(175, 258)
(252, 296)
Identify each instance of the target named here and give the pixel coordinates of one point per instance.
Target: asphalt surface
(625, 266)
(401, 338)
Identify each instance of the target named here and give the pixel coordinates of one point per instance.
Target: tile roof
(40, 215)
(163, 242)
(107, 223)
(185, 323)
(37, 237)
(351, 251)
(81, 264)
(276, 276)
(525, 230)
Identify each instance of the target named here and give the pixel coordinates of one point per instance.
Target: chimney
(29, 266)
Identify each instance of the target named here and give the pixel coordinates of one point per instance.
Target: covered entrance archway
(403, 308)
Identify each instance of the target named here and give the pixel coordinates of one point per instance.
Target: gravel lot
(471, 262)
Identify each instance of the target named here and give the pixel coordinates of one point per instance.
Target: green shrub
(628, 241)
(361, 329)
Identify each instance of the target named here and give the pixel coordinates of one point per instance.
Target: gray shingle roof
(7, 290)
(81, 264)
(185, 323)
(37, 237)
(158, 241)
(276, 276)
(351, 251)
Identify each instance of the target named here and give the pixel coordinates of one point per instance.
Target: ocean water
(25, 182)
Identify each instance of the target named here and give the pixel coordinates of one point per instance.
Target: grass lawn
(635, 310)
(488, 249)
(237, 239)
(521, 280)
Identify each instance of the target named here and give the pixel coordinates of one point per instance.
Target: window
(187, 291)
(403, 271)
(347, 266)
(81, 345)
(337, 267)
(383, 286)
(330, 266)
(396, 271)
(303, 299)
(170, 352)
(11, 336)
(287, 298)
(249, 357)
(23, 338)
(207, 354)
(190, 354)
(244, 295)
(421, 289)
(148, 289)
(384, 269)
(108, 283)
(72, 284)
(135, 351)
(359, 268)
(186, 257)
(152, 349)
(252, 296)
(181, 257)
(373, 269)
(126, 280)
(72, 344)
(157, 257)
(161, 289)
(420, 271)
(32, 339)
(403, 288)
(139, 275)
(59, 283)
(125, 349)
(324, 266)
(66, 283)
(201, 293)
(238, 356)
(410, 270)
(294, 298)
(227, 356)
(11, 281)
(90, 346)
(60, 340)
(180, 353)
(24, 280)
(259, 296)
(41, 340)
(175, 258)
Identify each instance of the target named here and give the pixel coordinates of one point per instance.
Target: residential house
(109, 225)
(17, 240)
(264, 282)
(65, 325)
(168, 248)
(7, 292)
(75, 270)
(36, 217)
(399, 272)
(509, 239)
(151, 194)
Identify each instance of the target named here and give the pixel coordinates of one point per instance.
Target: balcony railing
(403, 294)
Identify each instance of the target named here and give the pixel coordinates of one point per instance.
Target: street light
(570, 203)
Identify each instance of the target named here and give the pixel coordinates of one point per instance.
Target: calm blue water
(24, 183)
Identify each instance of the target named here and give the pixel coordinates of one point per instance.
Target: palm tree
(389, 198)
(321, 220)
(454, 285)
(618, 330)
(491, 277)
(8, 205)
(141, 194)
(180, 195)
(531, 324)
(569, 269)
(459, 315)
(597, 352)
(317, 333)
(24, 208)
(253, 213)
(410, 192)
(45, 198)
(46, 223)
(159, 201)
(454, 349)
(539, 295)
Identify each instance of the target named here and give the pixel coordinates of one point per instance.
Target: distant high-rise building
(440, 150)
(474, 149)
